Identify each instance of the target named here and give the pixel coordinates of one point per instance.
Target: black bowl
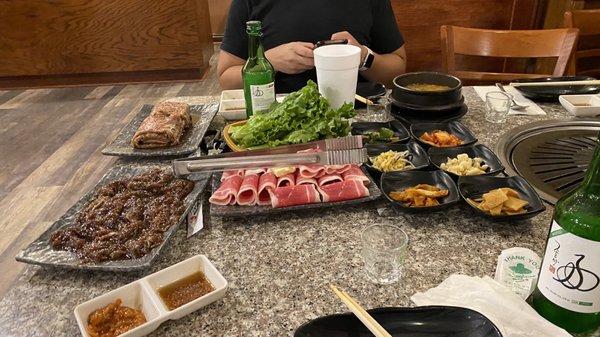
(369, 90)
(416, 155)
(412, 117)
(475, 186)
(360, 128)
(551, 93)
(454, 127)
(439, 155)
(398, 181)
(403, 95)
(427, 321)
(442, 109)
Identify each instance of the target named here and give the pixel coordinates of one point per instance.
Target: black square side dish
(398, 181)
(439, 155)
(475, 186)
(456, 128)
(426, 321)
(361, 128)
(416, 155)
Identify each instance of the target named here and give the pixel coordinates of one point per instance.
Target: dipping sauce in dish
(427, 87)
(113, 320)
(185, 290)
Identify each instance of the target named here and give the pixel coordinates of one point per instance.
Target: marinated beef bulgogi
(126, 219)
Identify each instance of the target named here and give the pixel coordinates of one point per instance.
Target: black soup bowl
(416, 155)
(474, 187)
(416, 98)
(439, 155)
(399, 181)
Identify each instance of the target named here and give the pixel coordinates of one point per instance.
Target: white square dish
(581, 105)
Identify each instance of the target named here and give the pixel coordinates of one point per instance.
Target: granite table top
(279, 267)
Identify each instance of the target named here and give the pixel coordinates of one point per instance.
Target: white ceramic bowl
(581, 105)
(143, 295)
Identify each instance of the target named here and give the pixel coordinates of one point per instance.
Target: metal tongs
(336, 151)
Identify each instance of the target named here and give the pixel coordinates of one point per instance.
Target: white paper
(532, 110)
(195, 219)
(509, 312)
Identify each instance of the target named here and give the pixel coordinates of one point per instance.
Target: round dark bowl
(407, 97)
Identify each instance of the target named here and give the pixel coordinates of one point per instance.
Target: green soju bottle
(568, 288)
(258, 73)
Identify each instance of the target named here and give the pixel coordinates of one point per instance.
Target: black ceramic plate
(441, 109)
(427, 321)
(475, 187)
(202, 115)
(439, 155)
(416, 155)
(398, 181)
(411, 116)
(236, 211)
(360, 128)
(368, 90)
(552, 93)
(41, 253)
(456, 128)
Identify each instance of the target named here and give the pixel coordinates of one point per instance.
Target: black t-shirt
(371, 22)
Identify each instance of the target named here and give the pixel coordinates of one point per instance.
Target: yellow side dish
(391, 161)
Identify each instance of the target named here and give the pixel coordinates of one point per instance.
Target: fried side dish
(501, 201)
(441, 138)
(422, 195)
(126, 218)
(463, 165)
(390, 161)
(113, 320)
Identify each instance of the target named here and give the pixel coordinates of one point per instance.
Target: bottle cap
(253, 27)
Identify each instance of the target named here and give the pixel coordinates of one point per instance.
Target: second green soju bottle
(258, 73)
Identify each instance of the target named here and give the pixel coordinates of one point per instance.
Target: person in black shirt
(292, 27)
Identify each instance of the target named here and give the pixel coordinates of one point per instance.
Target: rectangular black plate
(41, 253)
(202, 115)
(236, 211)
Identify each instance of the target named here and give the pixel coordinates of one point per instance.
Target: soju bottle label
(570, 273)
(262, 96)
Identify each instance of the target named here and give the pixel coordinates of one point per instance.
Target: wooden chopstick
(360, 313)
(363, 100)
(554, 84)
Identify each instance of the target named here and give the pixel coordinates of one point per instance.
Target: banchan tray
(41, 253)
(202, 115)
(236, 211)
(427, 321)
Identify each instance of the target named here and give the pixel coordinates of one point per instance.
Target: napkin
(509, 312)
(532, 110)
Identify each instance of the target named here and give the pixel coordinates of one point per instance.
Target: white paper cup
(337, 72)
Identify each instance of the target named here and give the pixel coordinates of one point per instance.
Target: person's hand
(352, 41)
(292, 58)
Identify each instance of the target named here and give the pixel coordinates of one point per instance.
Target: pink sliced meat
(227, 174)
(311, 170)
(294, 195)
(267, 182)
(343, 191)
(337, 169)
(329, 179)
(227, 192)
(258, 171)
(287, 180)
(355, 173)
(306, 181)
(248, 193)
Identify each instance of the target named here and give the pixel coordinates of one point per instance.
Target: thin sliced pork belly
(329, 179)
(294, 195)
(356, 173)
(337, 169)
(267, 182)
(305, 181)
(227, 174)
(311, 170)
(342, 191)
(248, 193)
(227, 192)
(258, 171)
(287, 180)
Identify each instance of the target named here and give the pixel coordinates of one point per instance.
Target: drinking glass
(497, 106)
(383, 251)
(375, 112)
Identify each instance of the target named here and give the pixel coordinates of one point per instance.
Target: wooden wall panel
(67, 37)
(218, 16)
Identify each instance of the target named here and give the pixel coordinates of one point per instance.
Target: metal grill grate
(553, 156)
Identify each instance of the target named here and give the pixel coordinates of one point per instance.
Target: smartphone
(330, 42)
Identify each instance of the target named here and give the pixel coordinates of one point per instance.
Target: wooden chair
(558, 43)
(588, 23)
